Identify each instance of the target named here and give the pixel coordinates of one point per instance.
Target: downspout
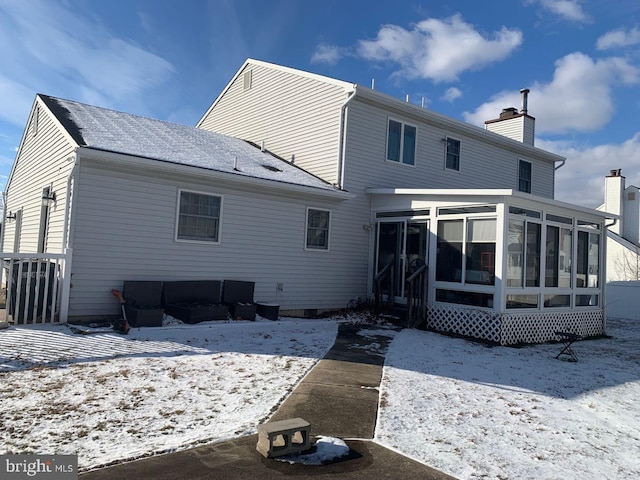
(67, 238)
(4, 220)
(70, 194)
(341, 142)
(562, 162)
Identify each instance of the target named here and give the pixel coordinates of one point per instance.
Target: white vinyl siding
(292, 114)
(485, 164)
(43, 161)
(125, 228)
(520, 128)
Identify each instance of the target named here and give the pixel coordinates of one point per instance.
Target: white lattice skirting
(513, 328)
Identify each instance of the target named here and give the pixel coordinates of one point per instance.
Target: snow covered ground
(109, 397)
(462, 407)
(515, 413)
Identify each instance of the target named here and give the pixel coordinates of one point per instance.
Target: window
(523, 250)
(465, 298)
(452, 156)
(586, 300)
(199, 217)
(522, 301)
(588, 260)
(481, 251)
(401, 142)
(449, 255)
(317, 236)
(558, 257)
(524, 176)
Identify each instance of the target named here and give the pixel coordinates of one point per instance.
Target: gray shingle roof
(118, 132)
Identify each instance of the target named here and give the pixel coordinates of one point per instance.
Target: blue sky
(468, 59)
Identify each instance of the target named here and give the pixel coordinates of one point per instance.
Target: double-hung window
(317, 233)
(199, 217)
(452, 154)
(401, 142)
(524, 176)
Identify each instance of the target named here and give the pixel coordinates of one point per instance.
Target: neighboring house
(351, 183)
(623, 246)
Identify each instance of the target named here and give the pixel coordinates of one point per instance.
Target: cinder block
(284, 437)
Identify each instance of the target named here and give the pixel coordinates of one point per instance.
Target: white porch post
(66, 286)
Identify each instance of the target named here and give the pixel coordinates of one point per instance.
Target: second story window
(452, 155)
(401, 142)
(524, 176)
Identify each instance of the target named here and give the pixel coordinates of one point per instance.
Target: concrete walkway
(339, 397)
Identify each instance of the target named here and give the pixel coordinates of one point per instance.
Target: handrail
(387, 271)
(383, 272)
(416, 273)
(417, 307)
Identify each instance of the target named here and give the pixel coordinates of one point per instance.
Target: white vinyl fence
(35, 287)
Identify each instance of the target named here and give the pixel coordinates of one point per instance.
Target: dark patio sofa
(194, 301)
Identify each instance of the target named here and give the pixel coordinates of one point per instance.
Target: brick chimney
(519, 126)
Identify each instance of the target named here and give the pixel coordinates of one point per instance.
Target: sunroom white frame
(584, 320)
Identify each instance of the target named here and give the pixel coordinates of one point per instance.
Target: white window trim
(306, 230)
(530, 171)
(177, 218)
(386, 149)
(446, 141)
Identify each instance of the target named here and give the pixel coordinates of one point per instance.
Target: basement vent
(271, 168)
(248, 77)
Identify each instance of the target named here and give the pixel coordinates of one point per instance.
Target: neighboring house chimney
(613, 198)
(519, 126)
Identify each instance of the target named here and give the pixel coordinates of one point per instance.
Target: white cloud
(16, 101)
(439, 49)
(46, 45)
(578, 98)
(329, 54)
(618, 38)
(581, 179)
(568, 9)
(451, 94)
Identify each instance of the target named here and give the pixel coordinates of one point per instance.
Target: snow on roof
(124, 133)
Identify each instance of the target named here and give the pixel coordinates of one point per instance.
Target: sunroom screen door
(405, 244)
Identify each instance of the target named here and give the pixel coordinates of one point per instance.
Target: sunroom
(501, 265)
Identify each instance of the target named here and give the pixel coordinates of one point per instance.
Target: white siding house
(623, 246)
(324, 192)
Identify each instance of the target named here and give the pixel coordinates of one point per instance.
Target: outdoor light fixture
(48, 199)
(11, 216)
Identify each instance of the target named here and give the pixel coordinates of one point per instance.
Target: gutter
(200, 172)
(341, 142)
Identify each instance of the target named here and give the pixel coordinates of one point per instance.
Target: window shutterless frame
(199, 219)
(524, 176)
(317, 229)
(402, 139)
(452, 148)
